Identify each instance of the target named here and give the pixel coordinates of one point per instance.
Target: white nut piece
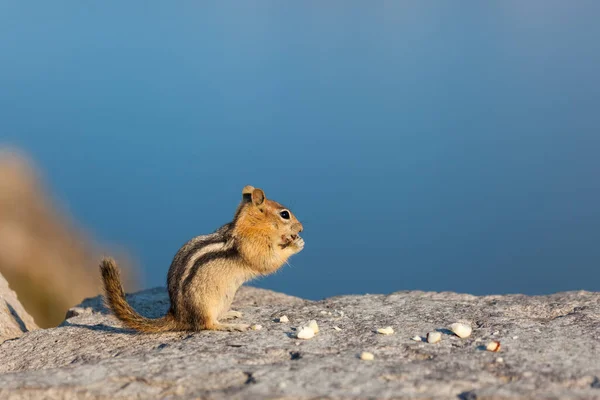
(337, 328)
(283, 319)
(417, 338)
(305, 333)
(493, 346)
(461, 330)
(386, 331)
(434, 337)
(366, 356)
(314, 326)
(256, 327)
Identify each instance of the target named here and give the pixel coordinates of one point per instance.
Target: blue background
(423, 145)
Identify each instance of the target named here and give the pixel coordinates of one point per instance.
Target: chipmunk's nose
(298, 227)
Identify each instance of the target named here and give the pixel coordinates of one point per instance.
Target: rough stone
(556, 353)
(14, 320)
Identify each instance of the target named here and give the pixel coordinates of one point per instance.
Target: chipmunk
(207, 271)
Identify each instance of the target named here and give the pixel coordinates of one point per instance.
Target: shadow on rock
(102, 328)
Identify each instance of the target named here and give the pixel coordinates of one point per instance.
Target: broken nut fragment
(366, 356)
(386, 331)
(461, 330)
(417, 338)
(493, 346)
(305, 333)
(283, 319)
(256, 327)
(314, 326)
(434, 337)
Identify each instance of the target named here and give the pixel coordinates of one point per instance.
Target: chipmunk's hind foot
(230, 327)
(231, 315)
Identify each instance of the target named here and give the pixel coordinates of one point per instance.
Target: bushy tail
(114, 296)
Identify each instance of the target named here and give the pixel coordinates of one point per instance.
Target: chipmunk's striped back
(190, 258)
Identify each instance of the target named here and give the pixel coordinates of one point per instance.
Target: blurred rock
(49, 262)
(14, 320)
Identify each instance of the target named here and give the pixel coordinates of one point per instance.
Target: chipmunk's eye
(285, 214)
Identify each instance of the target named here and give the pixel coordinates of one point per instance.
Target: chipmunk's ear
(247, 194)
(258, 197)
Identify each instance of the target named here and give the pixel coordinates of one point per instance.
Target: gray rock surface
(14, 320)
(550, 349)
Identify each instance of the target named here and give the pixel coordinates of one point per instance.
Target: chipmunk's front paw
(298, 243)
(292, 243)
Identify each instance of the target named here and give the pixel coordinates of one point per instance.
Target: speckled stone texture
(550, 349)
(14, 320)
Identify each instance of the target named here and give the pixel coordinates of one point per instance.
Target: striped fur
(185, 258)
